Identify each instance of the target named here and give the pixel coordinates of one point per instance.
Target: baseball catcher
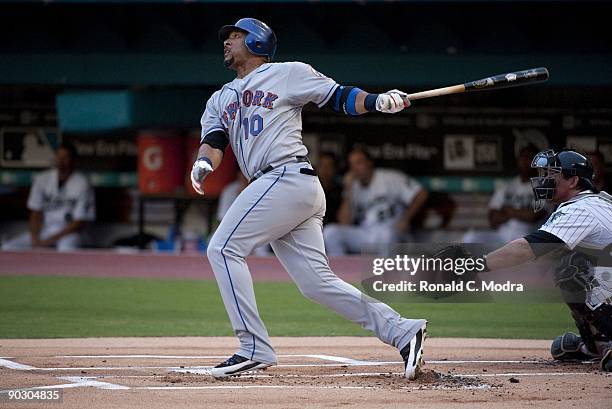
(581, 229)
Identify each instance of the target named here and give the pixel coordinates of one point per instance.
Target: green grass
(57, 307)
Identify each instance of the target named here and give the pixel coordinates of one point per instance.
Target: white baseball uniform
(516, 194)
(376, 209)
(584, 220)
(60, 205)
(261, 116)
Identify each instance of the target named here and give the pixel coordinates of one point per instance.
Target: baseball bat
(510, 79)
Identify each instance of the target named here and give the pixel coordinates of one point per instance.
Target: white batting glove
(201, 168)
(392, 101)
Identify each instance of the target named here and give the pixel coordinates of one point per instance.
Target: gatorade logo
(152, 158)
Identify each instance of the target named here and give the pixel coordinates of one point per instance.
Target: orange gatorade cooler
(216, 181)
(161, 162)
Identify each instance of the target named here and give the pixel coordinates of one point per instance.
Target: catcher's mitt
(449, 271)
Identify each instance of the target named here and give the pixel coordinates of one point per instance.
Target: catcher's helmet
(565, 162)
(260, 39)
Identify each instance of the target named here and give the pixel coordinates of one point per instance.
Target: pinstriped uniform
(584, 224)
(585, 219)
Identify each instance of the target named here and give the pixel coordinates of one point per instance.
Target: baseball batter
(259, 114)
(581, 227)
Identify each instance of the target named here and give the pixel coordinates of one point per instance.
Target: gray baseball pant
(285, 208)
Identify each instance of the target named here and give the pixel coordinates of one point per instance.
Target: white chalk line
(146, 356)
(80, 381)
(195, 369)
(193, 388)
(75, 382)
(255, 376)
(422, 387)
(15, 365)
(339, 359)
(357, 374)
(91, 381)
(173, 368)
(86, 381)
(530, 374)
(205, 370)
(365, 374)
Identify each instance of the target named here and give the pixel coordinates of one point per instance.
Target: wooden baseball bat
(510, 79)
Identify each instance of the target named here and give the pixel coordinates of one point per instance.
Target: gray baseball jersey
(261, 115)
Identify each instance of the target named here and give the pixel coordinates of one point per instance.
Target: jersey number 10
(252, 126)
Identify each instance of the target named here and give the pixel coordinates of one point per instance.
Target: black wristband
(205, 159)
(370, 102)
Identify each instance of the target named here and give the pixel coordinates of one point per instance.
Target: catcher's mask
(550, 163)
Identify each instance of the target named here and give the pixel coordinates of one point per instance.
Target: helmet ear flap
(260, 39)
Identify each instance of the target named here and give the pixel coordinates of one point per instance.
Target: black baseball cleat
(236, 365)
(413, 354)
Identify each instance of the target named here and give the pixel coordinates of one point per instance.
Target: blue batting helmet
(260, 39)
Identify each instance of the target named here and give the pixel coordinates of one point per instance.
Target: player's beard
(228, 62)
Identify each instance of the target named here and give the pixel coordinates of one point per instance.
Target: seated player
(377, 208)
(511, 212)
(61, 202)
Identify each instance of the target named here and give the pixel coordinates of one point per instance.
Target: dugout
(153, 66)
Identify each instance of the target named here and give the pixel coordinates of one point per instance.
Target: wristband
(205, 159)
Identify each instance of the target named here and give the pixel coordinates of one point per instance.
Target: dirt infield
(312, 372)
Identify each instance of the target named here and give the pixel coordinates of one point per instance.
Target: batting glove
(201, 168)
(392, 101)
